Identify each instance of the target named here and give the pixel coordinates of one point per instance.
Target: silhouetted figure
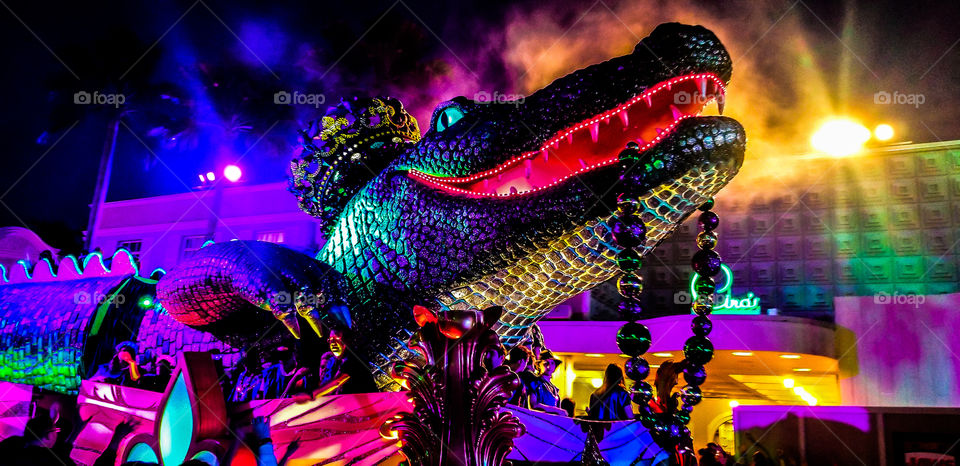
(521, 362)
(610, 402)
(544, 395)
(157, 379)
(40, 435)
(122, 369)
(666, 379)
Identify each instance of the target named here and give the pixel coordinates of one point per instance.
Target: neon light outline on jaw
(441, 182)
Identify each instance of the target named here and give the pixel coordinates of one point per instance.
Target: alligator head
(505, 203)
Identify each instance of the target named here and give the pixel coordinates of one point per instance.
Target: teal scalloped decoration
(176, 424)
(143, 453)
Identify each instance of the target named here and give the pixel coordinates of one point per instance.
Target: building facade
(883, 224)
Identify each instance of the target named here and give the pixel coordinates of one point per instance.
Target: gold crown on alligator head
(344, 139)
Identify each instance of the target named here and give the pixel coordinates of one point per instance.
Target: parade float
(442, 249)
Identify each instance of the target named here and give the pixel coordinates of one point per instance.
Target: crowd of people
(48, 440)
(125, 368)
(277, 373)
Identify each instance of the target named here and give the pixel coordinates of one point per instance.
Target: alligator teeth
(582, 163)
(659, 131)
(545, 154)
(595, 132)
(625, 119)
(528, 165)
(702, 82)
(720, 102)
(677, 114)
(649, 101)
(570, 138)
(513, 190)
(486, 183)
(641, 142)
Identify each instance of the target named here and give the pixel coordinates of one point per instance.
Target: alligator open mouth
(594, 143)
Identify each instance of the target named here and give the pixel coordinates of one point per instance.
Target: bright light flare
(789, 383)
(734, 403)
(596, 382)
(883, 132)
(232, 173)
(840, 137)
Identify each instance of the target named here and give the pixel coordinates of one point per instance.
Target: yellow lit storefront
(759, 359)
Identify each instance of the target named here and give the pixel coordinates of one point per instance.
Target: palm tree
(112, 80)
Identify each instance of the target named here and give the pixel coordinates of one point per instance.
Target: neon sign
(724, 303)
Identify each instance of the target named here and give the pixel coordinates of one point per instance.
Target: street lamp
(883, 132)
(840, 137)
(232, 173)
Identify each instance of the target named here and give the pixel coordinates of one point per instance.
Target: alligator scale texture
(497, 203)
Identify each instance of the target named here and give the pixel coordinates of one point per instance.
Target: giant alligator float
(497, 204)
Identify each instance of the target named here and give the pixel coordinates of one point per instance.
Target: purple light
(211, 176)
(232, 173)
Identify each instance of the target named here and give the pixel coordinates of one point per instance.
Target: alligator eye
(448, 117)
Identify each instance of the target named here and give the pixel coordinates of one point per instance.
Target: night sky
(199, 78)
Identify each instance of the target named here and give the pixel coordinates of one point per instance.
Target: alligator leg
(232, 280)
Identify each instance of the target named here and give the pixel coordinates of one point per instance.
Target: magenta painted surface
(730, 332)
(760, 417)
(907, 350)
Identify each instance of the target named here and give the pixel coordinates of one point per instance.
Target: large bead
(698, 350)
(704, 285)
(707, 240)
(694, 374)
(629, 157)
(701, 326)
(706, 205)
(630, 309)
(701, 309)
(691, 395)
(629, 261)
(633, 339)
(628, 232)
(682, 417)
(641, 393)
(630, 286)
(637, 368)
(706, 262)
(709, 221)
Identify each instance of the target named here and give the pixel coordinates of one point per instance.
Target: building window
(133, 246)
(191, 244)
(270, 236)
